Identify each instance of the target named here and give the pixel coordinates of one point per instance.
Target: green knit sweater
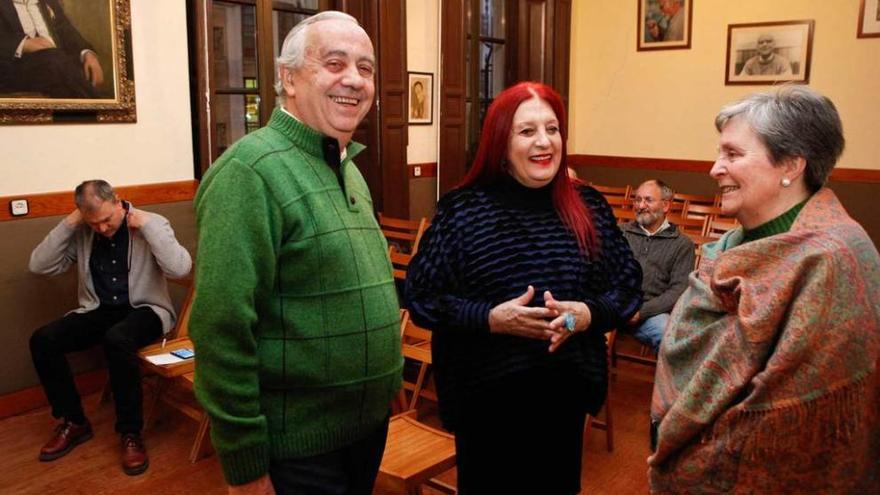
(296, 320)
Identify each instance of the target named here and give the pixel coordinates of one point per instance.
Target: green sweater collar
(778, 225)
(306, 138)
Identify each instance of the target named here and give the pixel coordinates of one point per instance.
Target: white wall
(158, 148)
(422, 40)
(662, 104)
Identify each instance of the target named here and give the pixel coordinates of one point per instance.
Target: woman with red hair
(519, 276)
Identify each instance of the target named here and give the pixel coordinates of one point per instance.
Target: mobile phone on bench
(183, 353)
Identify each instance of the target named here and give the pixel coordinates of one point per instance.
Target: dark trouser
(524, 436)
(122, 331)
(52, 72)
(350, 470)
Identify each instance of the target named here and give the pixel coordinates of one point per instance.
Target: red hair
(489, 168)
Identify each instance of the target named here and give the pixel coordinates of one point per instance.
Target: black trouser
(524, 435)
(350, 470)
(122, 331)
(52, 72)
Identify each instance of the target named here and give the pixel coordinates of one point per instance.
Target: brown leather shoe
(67, 436)
(134, 455)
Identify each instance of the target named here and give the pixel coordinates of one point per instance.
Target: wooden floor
(93, 467)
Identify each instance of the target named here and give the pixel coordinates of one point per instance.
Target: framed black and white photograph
(769, 52)
(421, 98)
(664, 24)
(68, 62)
(869, 19)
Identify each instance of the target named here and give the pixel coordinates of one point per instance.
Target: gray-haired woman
(767, 377)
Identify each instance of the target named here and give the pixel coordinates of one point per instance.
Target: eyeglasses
(647, 200)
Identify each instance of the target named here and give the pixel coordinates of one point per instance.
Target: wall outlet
(417, 171)
(18, 207)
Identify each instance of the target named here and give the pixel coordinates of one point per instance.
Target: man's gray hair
(294, 46)
(91, 194)
(666, 192)
(793, 121)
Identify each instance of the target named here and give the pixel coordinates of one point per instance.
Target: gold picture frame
(98, 31)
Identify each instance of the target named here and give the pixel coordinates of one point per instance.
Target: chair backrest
(691, 226)
(717, 227)
(403, 234)
(415, 345)
(399, 263)
(623, 191)
(181, 328)
(698, 199)
(623, 216)
(694, 210)
(617, 202)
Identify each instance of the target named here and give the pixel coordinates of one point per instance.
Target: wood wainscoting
(61, 203)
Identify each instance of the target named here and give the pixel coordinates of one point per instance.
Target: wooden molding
(427, 170)
(61, 203)
(869, 176)
(19, 402)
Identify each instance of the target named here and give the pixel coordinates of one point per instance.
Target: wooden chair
(416, 347)
(623, 216)
(697, 199)
(691, 226)
(718, 227)
(607, 425)
(414, 452)
(622, 192)
(403, 234)
(701, 211)
(180, 330)
(618, 202)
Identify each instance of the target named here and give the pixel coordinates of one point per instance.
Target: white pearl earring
(786, 182)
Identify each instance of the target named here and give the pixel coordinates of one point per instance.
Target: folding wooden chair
(622, 192)
(401, 233)
(416, 347)
(623, 216)
(718, 227)
(607, 424)
(414, 452)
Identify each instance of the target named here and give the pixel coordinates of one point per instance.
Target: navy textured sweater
(485, 246)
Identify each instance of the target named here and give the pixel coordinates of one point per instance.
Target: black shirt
(109, 266)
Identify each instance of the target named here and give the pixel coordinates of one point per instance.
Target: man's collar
(663, 226)
(342, 153)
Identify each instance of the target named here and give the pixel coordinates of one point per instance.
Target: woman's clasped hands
(556, 321)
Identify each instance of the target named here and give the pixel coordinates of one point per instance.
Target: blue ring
(569, 322)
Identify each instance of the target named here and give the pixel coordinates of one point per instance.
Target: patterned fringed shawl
(767, 380)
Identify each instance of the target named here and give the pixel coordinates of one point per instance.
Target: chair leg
(106, 392)
(152, 415)
(202, 444)
(420, 382)
(609, 425)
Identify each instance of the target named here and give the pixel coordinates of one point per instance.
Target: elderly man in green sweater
(296, 320)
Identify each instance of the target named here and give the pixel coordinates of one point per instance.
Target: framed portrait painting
(66, 62)
(869, 19)
(421, 98)
(664, 24)
(769, 52)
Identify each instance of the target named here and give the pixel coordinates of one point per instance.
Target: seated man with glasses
(666, 256)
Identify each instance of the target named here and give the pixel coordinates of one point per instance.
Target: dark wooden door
(384, 130)
(453, 79)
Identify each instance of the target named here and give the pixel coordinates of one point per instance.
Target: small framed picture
(664, 24)
(869, 19)
(769, 52)
(421, 98)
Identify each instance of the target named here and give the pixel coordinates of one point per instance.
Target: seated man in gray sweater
(122, 256)
(666, 256)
